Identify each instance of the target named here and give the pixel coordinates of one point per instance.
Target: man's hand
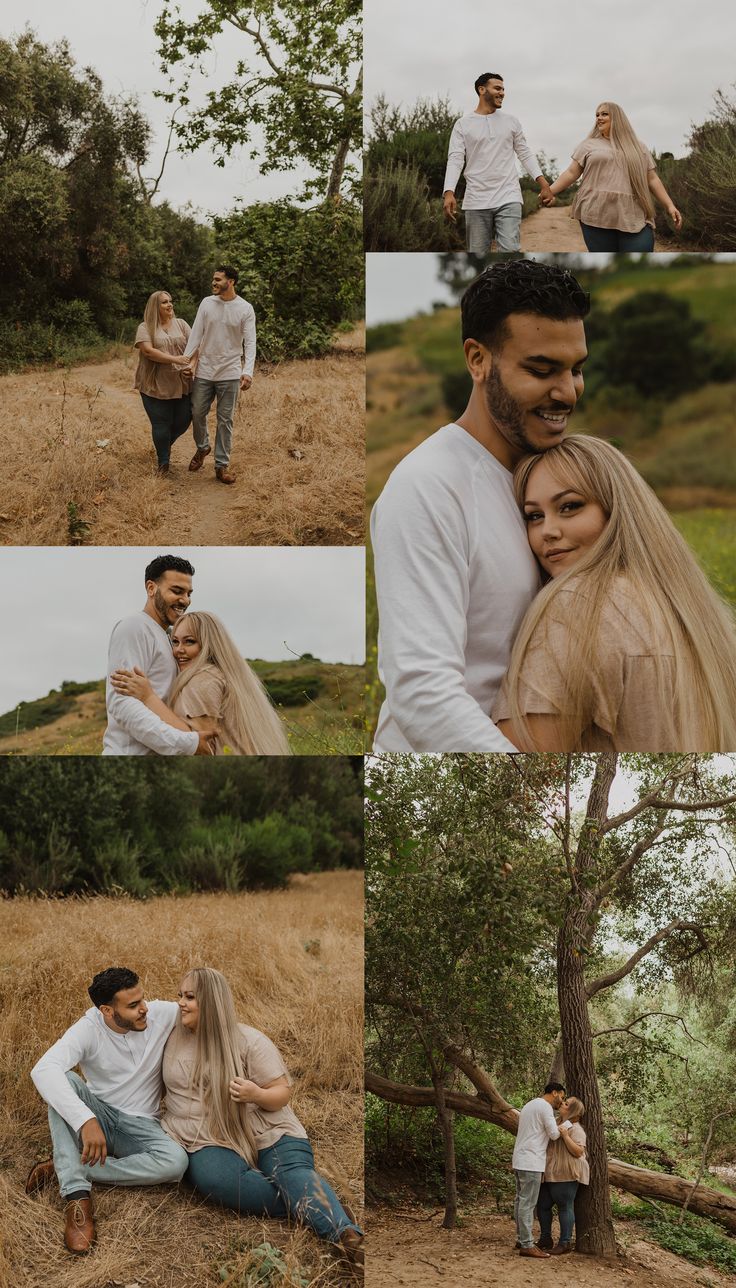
(449, 205)
(547, 198)
(94, 1144)
(206, 742)
(246, 382)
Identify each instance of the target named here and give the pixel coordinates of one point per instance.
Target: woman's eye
(532, 515)
(571, 505)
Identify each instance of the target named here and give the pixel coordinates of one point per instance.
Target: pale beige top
(604, 198)
(160, 379)
(560, 1164)
(625, 711)
(202, 700)
(184, 1116)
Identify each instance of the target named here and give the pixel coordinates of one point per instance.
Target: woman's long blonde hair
(623, 140)
(151, 315)
(253, 726)
(575, 1109)
(218, 1058)
(640, 543)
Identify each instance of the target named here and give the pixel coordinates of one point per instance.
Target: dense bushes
(703, 185)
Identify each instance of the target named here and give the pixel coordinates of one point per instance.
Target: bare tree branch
(613, 977)
(667, 1014)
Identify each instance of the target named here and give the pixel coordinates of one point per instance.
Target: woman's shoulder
(142, 336)
(208, 678)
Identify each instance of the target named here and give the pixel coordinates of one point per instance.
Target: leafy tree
(296, 81)
(670, 366)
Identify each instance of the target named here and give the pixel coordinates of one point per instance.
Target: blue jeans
(139, 1151)
(170, 418)
(204, 393)
(527, 1189)
(222, 1175)
(307, 1195)
(503, 222)
(562, 1194)
(613, 239)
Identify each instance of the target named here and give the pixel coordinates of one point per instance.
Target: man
(454, 572)
(224, 334)
(142, 641)
(537, 1127)
(106, 1127)
(486, 143)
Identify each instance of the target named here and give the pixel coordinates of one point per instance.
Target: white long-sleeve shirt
(537, 1127)
(224, 331)
(133, 730)
(123, 1069)
(454, 577)
(486, 146)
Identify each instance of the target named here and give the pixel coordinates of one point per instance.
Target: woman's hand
(244, 1091)
(675, 216)
(132, 684)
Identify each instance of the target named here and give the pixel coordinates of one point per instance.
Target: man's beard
(162, 608)
(122, 1023)
(506, 413)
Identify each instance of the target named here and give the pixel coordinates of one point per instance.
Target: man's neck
(150, 611)
(227, 296)
(476, 422)
(485, 109)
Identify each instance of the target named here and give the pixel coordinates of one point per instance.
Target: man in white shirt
(454, 572)
(224, 337)
(142, 641)
(537, 1127)
(486, 143)
(106, 1127)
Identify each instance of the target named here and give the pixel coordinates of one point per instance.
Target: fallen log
(674, 1190)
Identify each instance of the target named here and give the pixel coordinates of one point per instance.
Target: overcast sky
(662, 61)
(116, 39)
(60, 605)
(401, 285)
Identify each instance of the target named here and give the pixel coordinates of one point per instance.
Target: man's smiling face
(169, 597)
(534, 380)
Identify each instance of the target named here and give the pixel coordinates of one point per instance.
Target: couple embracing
(226, 1128)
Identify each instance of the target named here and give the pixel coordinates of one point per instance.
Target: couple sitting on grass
(549, 1163)
(226, 1128)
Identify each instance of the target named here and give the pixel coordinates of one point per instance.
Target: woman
(618, 180)
(214, 684)
(227, 1104)
(566, 1168)
(163, 377)
(627, 647)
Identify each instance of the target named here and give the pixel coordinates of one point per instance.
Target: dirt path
(79, 451)
(553, 229)
(408, 1248)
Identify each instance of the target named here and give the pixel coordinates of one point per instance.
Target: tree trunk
(635, 1180)
(445, 1119)
(338, 168)
(557, 1071)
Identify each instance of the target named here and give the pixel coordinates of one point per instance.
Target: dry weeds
(82, 437)
(294, 959)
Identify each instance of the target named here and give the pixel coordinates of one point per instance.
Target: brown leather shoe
(223, 474)
(40, 1175)
(79, 1229)
(533, 1252)
(352, 1243)
(560, 1250)
(197, 460)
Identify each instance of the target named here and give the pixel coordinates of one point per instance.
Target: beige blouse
(161, 379)
(604, 198)
(202, 701)
(184, 1116)
(560, 1164)
(626, 713)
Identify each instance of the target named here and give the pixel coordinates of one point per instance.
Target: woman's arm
(567, 177)
(571, 1146)
(158, 355)
(274, 1095)
(660, 193)
(136, 684)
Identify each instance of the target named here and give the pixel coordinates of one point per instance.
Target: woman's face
(188, 1008)
(603, 120)
(184, 645)
(561, 523)
(165, 307)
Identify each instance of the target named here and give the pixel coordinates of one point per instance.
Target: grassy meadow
(294, 959)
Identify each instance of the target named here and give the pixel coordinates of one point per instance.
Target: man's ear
(478, 360)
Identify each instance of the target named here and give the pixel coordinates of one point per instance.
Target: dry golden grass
(295, 961)
(56, 419)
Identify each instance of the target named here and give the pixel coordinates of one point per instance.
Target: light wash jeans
(204, 393)
(503, 222)
(307, 1195)
(139, 1151)
(527, 1193)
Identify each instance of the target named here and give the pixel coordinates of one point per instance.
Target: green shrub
(292, 691)
(703, 184)
(400, 215)
(384, 335)
(688, 1236)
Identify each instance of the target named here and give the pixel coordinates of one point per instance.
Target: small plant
(266, 1267)
(77, 528)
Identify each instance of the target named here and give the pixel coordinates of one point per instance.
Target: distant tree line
(148, 826)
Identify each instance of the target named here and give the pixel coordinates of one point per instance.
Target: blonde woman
(161, 377)
(619, 182)
(214, 684)
(565, 1169)
(227, 1104)
(627, 647)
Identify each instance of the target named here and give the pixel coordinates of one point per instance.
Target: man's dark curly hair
(108, 982)
(519, 286)
(166, 563)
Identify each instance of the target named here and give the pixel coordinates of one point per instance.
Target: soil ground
(553, 229)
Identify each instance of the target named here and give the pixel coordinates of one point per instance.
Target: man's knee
(172, 1160)
(76, 1083)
